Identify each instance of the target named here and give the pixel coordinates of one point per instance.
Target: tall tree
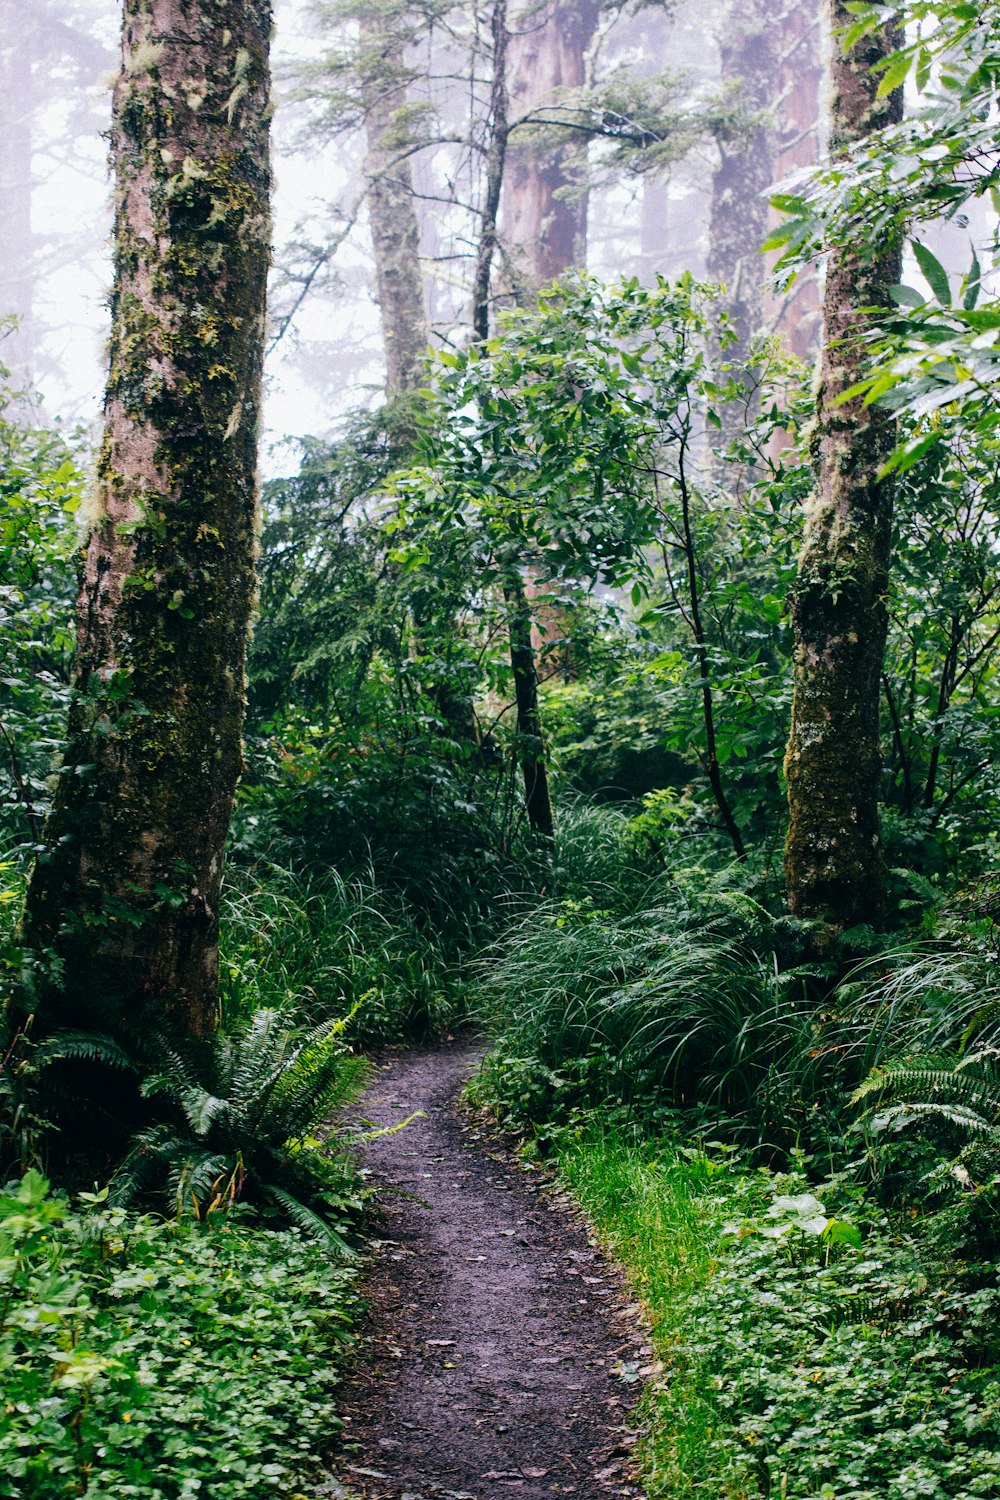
(799, 124)
(833, 859)
(545, 202)
(392, 209)
(123, 902)
(738, 226)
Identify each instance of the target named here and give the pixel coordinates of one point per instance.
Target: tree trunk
(833, 858)
(798, 143)
(496, 157)
(17, 249)
(545, 198)
(738, 227)
(392, 209)
(529, 722)
(122, 911)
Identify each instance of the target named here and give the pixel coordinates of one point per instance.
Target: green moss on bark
(125, 894)
(833, 857)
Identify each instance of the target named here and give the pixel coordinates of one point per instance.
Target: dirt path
(499, 1346)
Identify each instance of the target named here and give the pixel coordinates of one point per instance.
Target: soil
(500, 1357)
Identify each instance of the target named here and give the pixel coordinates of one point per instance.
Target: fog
(644, 217)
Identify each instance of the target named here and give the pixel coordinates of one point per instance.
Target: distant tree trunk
(545, 199)
(798, 143)
(392, 209)
(537, 801)
(738, 226)
(123, 907)
(17, 257)
(833, 858)
(496, 158)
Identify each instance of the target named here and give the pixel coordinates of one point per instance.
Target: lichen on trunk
(123, 906)
(833, 858)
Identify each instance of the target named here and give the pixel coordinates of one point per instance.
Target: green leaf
(842, 1232)
(973, 283)
(935, 273)
(906, 296)
(895, 73)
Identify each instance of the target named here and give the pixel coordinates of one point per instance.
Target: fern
(241, 1109)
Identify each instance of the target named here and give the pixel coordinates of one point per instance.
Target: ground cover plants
(162, 1360)
(811, 1346)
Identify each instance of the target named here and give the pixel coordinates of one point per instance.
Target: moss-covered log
(833, 859)
(122, 909)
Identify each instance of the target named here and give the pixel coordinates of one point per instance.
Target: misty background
(706, 83)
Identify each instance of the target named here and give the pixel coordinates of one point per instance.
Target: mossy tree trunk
(123, 907)
(833, 858)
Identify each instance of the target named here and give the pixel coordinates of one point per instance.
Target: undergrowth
(811, 1347)
(323, 946)
(146, 1360)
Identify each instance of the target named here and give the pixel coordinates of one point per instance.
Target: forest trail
(499, 1349)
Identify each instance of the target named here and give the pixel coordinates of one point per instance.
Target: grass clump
(679, 1006)
(141, 1358)
(325, 946)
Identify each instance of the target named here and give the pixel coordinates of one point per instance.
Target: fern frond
(900, 1116)
(310, 1222)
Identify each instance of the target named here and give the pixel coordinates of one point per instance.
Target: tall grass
(681, 1006)
(316, 947)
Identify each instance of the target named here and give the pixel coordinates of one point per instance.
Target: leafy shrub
(145, 1359)
(41, 484)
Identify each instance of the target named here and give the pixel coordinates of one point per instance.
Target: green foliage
(940, 162)
(680, 1003)
(142, 1358)
(41, 485)
(242, 1112)
(317, 946)
(806, 1352)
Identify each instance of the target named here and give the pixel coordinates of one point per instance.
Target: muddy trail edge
(498, 1350)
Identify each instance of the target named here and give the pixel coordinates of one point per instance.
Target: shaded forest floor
(501, 1354)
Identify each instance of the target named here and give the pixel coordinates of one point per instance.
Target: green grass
(651, 1208)
(812, 1348)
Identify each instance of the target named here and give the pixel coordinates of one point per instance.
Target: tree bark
(122, 910)
(798, 143)
(738, 227)
(537, 801)
(545, 199)
(392, 212)
(833, 858)
(496, 157)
